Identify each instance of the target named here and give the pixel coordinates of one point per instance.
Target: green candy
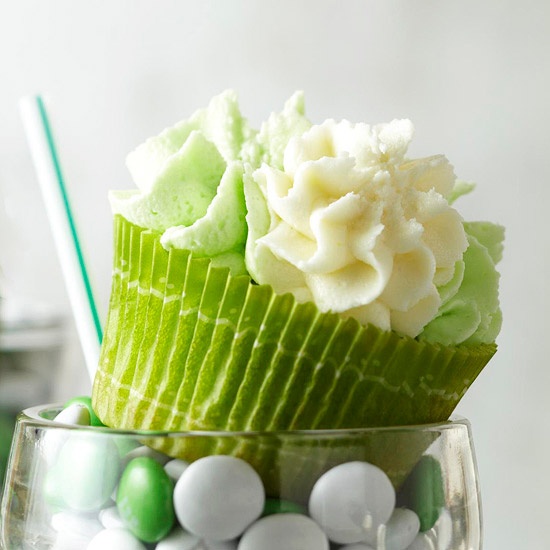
(281, 506)
(145, 499)
(423, 492)
(86, 402)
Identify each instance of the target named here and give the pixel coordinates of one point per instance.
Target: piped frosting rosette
(296, 277)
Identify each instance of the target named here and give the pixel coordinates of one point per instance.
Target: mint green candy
(86, 472)
(87, 402)
(144, 499)
(423, 492)
(281, 506)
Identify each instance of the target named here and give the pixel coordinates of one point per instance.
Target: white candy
(87, 472)
(143, 450)
(444, 529)
(53, 440)
(218, 497)
(178, 539)
(110, 518)
(69, 541)
(439, 537)
(423, 541)
(351, 501)
(175, 468)
(75, 415)
(358, 546)
(115, 539)
(76, 524)
(284, 532)
(401, 529)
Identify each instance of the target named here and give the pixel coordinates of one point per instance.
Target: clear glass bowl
(352, 489)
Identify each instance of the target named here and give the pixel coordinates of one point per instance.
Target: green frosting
(181, 192)
(191, 178)
(221, 123)
(471, 312)
(279, 128)
(196, 189)
(191, 183)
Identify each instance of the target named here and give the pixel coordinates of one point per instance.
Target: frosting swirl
(360, 230)
(334, 213)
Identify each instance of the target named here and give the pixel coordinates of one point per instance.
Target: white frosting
(358, 228)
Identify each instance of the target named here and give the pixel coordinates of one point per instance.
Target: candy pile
(107, 496)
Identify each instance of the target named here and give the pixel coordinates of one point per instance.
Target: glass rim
(35, 415)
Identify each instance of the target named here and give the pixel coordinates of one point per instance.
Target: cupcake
(299, 276)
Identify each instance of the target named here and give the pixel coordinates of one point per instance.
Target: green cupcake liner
(187, 346)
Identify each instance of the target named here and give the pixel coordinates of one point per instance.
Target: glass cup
(395, 488)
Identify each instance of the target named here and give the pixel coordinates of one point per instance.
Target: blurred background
(473, 76)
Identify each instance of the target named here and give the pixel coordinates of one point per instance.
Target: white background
(473, 76)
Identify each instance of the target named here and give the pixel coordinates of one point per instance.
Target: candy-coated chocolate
(358, 546)
(85, 401)
(423, 491)
(75, 414)
(218, 497)
(179, 539)
(174, 468)
(423, 542)
(86, 472)
(65, 540)
(110, 518)
(284, 532)
(401, 529)
(77, 524)
(144, 499)
(115, 539)
(443, 530)
(51, 490)
(143, 450)
(351, 501)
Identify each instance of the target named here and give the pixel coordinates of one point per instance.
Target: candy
(358, 546)
(86, 472)
(284, 532)
(110, 518)
(144, 499)
(423, 491)
(66, 540)
(51, 489)
(218, 497)
(143, 450)
(85, 401)
(351, 501)
(115, 539)
(401, 529)
(423, 542)
(76, 524)
(174, 468)
(178, 539)
(443, 529)
(76, 414)
(439, 537)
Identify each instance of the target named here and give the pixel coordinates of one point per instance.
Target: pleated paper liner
(189, 347)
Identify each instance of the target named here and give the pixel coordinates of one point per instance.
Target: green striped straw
(50, 177)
